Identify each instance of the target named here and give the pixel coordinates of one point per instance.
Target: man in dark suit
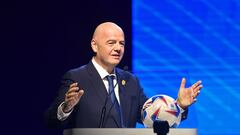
(99, 94)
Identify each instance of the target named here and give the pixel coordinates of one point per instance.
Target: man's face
(109, 47)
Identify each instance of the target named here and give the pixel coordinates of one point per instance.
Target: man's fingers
(194, 100)
(73, 94)
(198, 88)
(71, 101)
(73, 85)
(196, 94)
(183, 83)
(73, 89)
(80, 93)
(196, 84)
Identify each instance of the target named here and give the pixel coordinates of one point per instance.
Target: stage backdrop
(197, 40)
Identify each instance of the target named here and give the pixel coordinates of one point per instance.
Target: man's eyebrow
(111, 40)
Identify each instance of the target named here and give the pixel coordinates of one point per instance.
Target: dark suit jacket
(87, 112)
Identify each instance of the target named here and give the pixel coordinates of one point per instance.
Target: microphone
(103, 113)
(125, 68)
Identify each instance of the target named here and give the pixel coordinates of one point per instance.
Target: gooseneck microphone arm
(103, 113)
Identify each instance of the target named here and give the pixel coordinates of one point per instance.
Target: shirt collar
(102, 72)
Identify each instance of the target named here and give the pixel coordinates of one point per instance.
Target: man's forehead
(107, 28)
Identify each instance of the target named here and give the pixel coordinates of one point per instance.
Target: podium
(126, 131)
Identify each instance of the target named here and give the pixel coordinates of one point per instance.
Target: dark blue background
(40, 40)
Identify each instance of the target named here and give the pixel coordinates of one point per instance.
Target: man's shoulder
(78, 69)
(125, 73)
(76, 73)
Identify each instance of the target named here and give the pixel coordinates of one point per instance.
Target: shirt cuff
(62, 115)
(181, 110)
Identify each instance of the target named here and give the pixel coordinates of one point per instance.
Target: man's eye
(122, 43)
(111, 43)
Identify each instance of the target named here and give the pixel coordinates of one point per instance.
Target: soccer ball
(163, 108)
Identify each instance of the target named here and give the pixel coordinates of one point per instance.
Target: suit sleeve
(50, 115)
(142, 99)
(184, 114)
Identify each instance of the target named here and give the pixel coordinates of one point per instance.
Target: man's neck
(109, 69)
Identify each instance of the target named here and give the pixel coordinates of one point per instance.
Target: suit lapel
(97, 82)
(101, 91)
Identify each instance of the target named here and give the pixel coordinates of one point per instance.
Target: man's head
(108, 43)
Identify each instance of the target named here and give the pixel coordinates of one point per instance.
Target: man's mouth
(116, 55)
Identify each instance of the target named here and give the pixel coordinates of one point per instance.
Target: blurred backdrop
(198, 40)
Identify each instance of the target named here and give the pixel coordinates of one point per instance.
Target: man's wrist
(180, 104)
(66, 108)
(62, 115)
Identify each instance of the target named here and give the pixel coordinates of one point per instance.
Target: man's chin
(115, 62)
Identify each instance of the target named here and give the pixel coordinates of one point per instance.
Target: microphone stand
(103, 113)
(160, 127)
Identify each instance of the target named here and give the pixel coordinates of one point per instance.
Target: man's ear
(94, 45)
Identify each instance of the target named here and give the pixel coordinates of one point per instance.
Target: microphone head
(125, 68)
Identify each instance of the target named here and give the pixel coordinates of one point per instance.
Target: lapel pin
(123, 82)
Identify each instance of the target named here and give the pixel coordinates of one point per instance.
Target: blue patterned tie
(114, 98)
